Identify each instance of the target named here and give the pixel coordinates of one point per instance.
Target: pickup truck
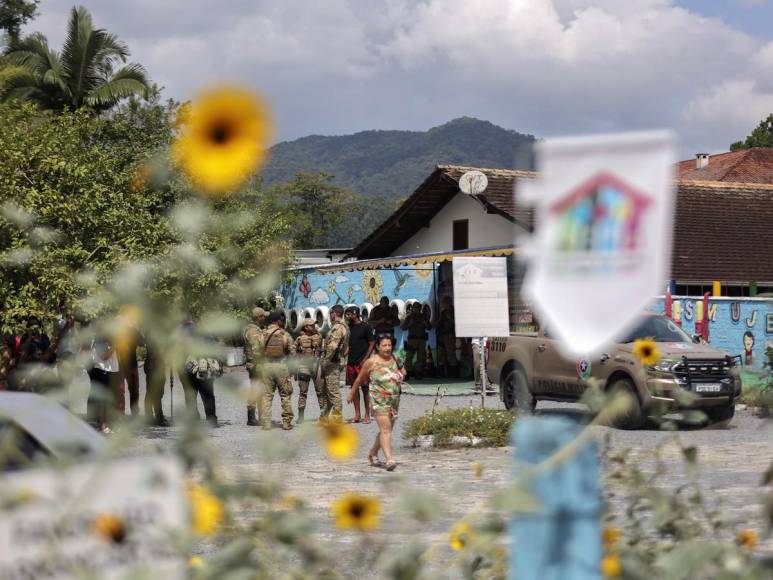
(529, 367)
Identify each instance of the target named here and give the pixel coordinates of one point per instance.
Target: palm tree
(84, 73)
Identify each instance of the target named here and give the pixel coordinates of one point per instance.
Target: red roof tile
(753, 165)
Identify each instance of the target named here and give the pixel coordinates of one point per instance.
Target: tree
(14, 14)
(762, 136)
(317, 207)
(83, 74)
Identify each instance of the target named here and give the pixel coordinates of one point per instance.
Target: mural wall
(739, 326)
(312, 289)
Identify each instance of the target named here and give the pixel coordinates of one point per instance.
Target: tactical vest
(275, 344)
(306, 344)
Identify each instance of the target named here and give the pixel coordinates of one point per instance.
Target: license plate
(708, 388)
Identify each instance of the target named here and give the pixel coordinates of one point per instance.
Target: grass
(492, 426)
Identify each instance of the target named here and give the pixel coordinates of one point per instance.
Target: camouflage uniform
(416, 343)
(254, 336)
(336, 348)
(277, 344)
(308, 346)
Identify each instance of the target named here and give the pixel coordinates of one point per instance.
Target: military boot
(251, 420)
(286, 425)
(301, 411)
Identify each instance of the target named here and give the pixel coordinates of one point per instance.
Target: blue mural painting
(310, 288)
(738, 326)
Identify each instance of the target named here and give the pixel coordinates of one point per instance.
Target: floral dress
(385, 380)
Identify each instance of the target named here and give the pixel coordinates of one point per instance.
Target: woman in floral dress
(385, 375)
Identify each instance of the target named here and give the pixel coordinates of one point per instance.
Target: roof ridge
(740, 159)
(713, 184)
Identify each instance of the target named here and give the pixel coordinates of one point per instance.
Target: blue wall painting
(739, 326)
(310, 288)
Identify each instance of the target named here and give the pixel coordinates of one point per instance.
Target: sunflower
(611, 567)
(223, 139)
(356, 512)
(460, 536)
(206, 510)
(196, 562)
(340, 439)
(372, 286)
(747, 539)
(109, 527)
(646, 351)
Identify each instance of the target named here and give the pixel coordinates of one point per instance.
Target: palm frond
(130, 80)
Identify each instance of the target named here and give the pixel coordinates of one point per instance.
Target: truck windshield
(657, 328)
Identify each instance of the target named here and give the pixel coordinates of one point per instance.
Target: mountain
(392, 164)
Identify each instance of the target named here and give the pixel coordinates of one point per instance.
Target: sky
(547, 67)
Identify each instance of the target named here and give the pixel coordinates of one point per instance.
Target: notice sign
(480, 297)
(114, 519)
(602, 247)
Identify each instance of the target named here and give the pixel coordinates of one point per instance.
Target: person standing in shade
(277, 346)
(446, 334)
(385, 375)
(334, 352)
(382, 318)
(105, 378)
(155, 381)
(254, 334)
(126, 349)
(308, 347)
(417, 327)
(361, 343)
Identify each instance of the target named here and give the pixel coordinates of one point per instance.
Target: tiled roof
(722, 231)
(753, 165)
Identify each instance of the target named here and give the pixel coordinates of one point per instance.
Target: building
(753, 165)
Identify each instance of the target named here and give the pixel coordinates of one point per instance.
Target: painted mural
(739, 326)
(312, 289)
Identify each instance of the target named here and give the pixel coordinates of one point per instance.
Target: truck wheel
(720, 414)
(516, 393)
(633, 417)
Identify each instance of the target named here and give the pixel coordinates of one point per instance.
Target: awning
(415, 260)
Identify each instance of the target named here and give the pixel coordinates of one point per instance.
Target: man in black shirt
(361, 343)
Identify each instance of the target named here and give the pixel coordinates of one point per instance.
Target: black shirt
(359, 336)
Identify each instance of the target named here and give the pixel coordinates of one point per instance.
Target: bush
(493, 426)
(759, 395)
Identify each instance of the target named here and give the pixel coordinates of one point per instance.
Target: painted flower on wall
(372, 286)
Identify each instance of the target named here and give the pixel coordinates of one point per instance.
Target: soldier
(336, 349)
(277, 345)
(309, 345)
(253, 345)
(416, 343)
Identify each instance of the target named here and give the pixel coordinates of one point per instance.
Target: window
(461, 239)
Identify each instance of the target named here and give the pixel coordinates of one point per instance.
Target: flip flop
(391, 466)
(366, 420)
(354, 420)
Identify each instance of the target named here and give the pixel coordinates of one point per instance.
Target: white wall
(484, 229)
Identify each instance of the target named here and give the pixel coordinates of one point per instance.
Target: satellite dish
(473, 183)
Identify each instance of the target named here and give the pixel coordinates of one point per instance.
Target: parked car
(529, 367)
(34, 427)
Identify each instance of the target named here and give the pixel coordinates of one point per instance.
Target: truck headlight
(664, 366)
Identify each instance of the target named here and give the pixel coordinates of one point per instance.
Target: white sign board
(480, 297)
(48, 531)
(602, 247)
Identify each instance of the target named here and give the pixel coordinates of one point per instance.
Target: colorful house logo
(603, 215)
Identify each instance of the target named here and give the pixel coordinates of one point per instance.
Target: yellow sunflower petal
(747, 539)
(206, 510)
(109, 527)
(340, 439)
(223, 140)
(460, 536)
(611, 567)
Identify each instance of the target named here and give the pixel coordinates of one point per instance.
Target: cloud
(356, 288)
(341, 279)
(546, 67)
(319, 296)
